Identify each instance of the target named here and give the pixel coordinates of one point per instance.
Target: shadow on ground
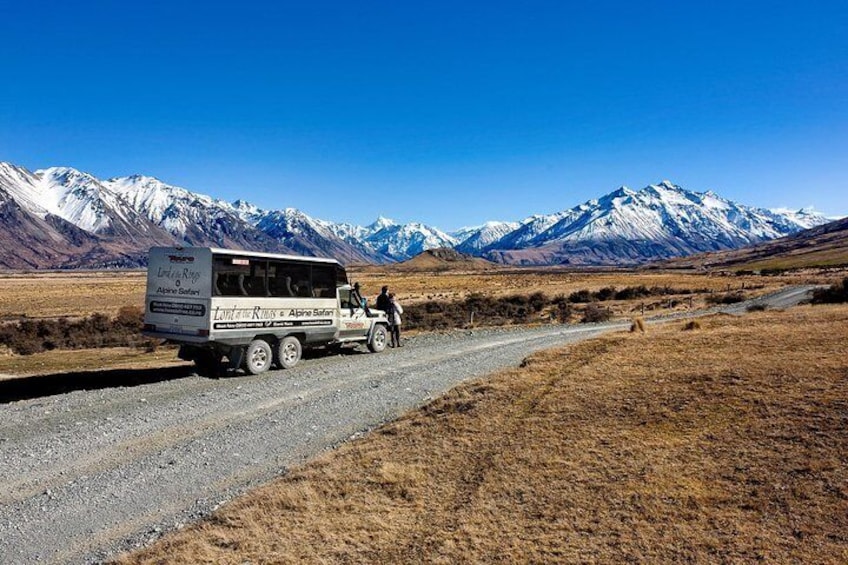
(40, 386)
(25, 388)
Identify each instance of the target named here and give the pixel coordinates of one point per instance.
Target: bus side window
(280, 281)
(216, 284)
(303, 289)
(341, 276)
(254, 283)
(323, 281)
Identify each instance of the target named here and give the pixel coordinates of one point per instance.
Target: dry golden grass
(417, 286)
(728, 444)
(76, 294)
(80, 294)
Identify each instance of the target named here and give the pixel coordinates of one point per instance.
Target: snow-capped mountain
(386, 240)
(77, 198)
(402, 242)
(191, 218)
(61, 217)
(306, 235)
(658, 221)
(474, 239)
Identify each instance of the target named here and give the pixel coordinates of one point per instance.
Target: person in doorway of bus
(359, 301)
(383, 299)
(393, 312)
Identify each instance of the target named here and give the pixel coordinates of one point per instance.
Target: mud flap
(236, 357)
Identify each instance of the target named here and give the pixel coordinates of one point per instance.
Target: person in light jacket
(393, 312)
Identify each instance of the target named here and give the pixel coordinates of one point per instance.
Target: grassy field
(83, 293)
(80, 294)
(72, 294)
(420, 286)
(727, 443)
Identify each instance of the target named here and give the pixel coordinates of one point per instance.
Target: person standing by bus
(383, 299)
(393, 313)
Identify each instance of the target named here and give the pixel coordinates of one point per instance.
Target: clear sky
(449, 113)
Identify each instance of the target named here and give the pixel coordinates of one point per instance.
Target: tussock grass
(692, 325)
(638, 325)
(725, 445)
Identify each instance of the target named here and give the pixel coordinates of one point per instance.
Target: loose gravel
(88, 474)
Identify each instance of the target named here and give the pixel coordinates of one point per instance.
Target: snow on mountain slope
(527, 231)
(386, 240)
(359, 235)
(176, 209)
(624, 226)
(193, 218)
(24, 188)
(76, 197)
(400, 242)
(806, 217)
(473, 239)
(659, 220)
(80, 199)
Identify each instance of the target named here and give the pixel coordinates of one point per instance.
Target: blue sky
(449, 113)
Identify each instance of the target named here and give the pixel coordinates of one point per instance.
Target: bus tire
(288, 352)
(377, 343)
(258, 357)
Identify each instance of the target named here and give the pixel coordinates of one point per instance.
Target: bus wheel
(378, 340)
(289, 351)
(257, 358)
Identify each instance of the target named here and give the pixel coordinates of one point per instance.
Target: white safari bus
(255, 309)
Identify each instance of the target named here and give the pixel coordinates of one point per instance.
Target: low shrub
(638, 325)
(593, 314)
(628, 293)
(27, 337)
(692, 325)
(726, 298)
(837, 293)
(481, 310)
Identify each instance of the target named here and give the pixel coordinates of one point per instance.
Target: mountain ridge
(71, 219)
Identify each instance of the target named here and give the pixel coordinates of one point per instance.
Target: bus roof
(260, 255)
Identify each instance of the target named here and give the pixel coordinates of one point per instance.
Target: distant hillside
(822, 246)
(444, 259)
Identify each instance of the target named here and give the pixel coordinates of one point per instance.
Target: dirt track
(104, 467)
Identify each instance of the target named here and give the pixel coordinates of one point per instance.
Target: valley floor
(727, 442)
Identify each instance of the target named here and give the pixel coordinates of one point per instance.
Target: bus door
(352, 318)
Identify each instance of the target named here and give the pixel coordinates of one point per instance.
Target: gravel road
(89, 473)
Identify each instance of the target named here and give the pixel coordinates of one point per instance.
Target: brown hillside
(823, 246)
(444, 259)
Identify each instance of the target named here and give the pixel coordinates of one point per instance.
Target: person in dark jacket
(383, 299)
